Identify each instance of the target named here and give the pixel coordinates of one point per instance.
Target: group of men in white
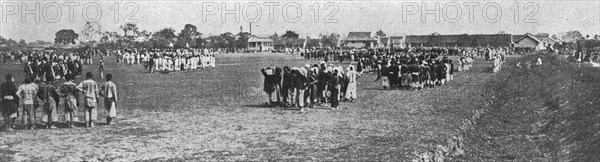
(170, 61)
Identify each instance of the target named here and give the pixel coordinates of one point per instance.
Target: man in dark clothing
(312, 87)
(323, 79)
(271, 83)
(48, 94)
(404, 76)
(79, 67)
(29, 70)
(385, 73)
(335, 89)
(394, 70)
(287, 87)
(10, 102)
(300, 83)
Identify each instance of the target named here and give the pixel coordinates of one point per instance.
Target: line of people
(46, 66)
(47, 95)
(416, 74)
(168, 60)
(368, 59)
(310, 86)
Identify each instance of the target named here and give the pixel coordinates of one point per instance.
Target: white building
(260, 43)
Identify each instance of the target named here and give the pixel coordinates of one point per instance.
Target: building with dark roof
(536, 42)
(359, 40)
(462, 40)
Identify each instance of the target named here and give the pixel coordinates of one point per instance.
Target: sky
(308, 18)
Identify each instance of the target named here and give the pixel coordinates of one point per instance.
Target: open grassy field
(217, 114)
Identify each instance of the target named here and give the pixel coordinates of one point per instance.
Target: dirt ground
(218, 114)
(543, 113)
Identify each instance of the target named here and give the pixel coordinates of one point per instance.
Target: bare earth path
(217, 115)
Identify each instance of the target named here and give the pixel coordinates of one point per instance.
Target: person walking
(101, 69)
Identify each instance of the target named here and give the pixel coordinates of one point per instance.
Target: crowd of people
(50, 66)
(47, 95)
(310, 85)
(411, 68)
(168, 60)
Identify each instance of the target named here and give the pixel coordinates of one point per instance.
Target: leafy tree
(380, 33)
(164, 37)
(2, 40)
(188, 36)
(290, 34)
(312, 42)
(66, 36)
(331, 40)
(228, 40)
(144, 35)
(130, 31)
(571, 36)
(91, 31)
(22, 43)
(11, 42)
(274, 36)
(242, 39)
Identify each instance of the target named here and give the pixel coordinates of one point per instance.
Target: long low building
(528, 41)
(463, 40)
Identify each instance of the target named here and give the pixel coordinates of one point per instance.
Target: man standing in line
(300, 83)
(312, 86)
(90, 90)
(287, 87)
(68, 91)
(271, 83)
(110, 98)
(393, 75)
(49, 98)
(335, 89)
(28, 92)
(322, 80)
(352, 75)
(10, 102)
